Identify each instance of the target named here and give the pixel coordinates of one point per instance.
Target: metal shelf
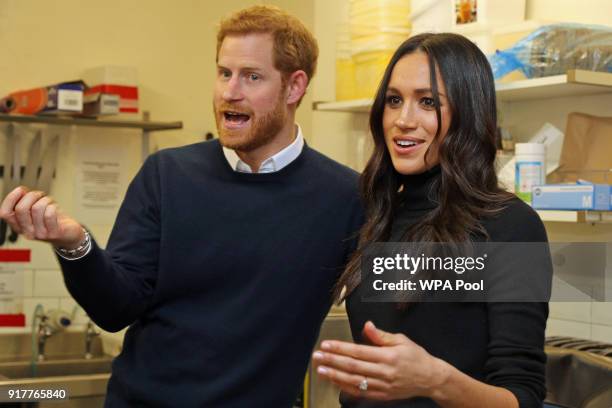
(575, 216)
(69, 121)
(145, 125)
(575, 82)
(356, 106)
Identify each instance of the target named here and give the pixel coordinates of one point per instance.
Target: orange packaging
(29, 102)
(66, 97)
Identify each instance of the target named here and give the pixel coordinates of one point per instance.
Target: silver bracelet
(78, 252)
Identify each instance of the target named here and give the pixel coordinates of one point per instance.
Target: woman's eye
(393, 100)
(428, 102)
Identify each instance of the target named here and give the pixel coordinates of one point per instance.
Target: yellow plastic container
(382, 19)
(345, 67)
(345, 79)
(382, 13)
(378, 40)
(369, 69)
(356, 6)
(376, 28)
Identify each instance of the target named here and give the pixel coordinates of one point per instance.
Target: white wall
(172, 45)
(586, 11)
(343, 135)
(338, 135)
(586, 320)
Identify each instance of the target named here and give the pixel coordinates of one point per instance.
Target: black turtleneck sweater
(501, 344)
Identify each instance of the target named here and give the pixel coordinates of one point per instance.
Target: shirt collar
(271, 164)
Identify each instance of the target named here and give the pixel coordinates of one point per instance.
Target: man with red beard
(224, 253)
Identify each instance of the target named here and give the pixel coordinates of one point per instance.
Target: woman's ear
(296, 86)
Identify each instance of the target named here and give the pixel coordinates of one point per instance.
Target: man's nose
(232, 90)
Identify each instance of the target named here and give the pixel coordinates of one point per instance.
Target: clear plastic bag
(555, 48)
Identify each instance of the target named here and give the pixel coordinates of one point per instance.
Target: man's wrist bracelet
(79, 251)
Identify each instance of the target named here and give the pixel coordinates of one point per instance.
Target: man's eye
(225, 74)
(393, 100)
(253, 77)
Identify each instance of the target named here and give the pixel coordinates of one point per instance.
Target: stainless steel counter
(321, 393)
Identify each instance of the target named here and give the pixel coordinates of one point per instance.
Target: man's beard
(262, 130)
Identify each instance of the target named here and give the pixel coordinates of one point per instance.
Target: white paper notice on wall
(11, 289)
(100, 178)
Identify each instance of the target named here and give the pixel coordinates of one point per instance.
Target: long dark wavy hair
(467, 188)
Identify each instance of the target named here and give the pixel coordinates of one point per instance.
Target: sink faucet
(48, 324)
(44, 332)
(90, 334)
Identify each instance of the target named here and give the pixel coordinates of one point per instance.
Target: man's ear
(296, 86)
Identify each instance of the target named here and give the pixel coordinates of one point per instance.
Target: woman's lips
(406, 145)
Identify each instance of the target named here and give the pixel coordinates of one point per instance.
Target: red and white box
(13, 261)
(100, 104)
(122, 81)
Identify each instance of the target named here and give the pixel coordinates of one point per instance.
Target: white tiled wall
(177, 89)
(588, 320)
(43, 284)
(46, 287)
(572, 328)
(601, 333)
(602, 314)
(49, 283)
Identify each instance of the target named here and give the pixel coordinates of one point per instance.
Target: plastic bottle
(530, 168)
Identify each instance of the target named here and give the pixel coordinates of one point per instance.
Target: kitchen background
(172, 47)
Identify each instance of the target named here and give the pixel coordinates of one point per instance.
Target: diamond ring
(363, 385)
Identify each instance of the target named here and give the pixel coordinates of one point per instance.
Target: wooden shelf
(575, 82)
(575, 216)
(69, 121)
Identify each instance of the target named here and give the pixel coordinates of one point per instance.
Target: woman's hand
(394, 367)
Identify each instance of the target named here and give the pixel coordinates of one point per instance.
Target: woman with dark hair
(431, 178)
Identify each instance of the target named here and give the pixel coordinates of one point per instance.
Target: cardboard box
(63, 98)
(571, 197)
(586, 150)
(128, 95)
(122, 81)
(111, 74)
(99, 104)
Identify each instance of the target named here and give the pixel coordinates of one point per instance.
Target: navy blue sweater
(223, 277)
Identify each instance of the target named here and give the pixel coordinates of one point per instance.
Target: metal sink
(52, 368)
(64, 367)
(63, 345)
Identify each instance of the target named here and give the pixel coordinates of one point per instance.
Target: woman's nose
(406, 118)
